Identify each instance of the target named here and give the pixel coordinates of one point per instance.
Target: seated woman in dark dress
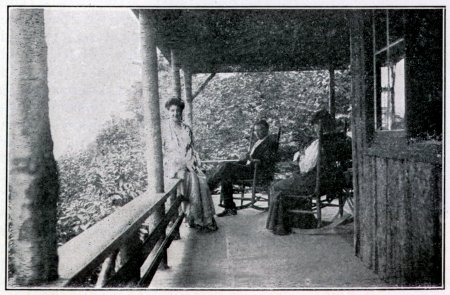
(301, 183)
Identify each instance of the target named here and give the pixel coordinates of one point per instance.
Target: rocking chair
(258, 185)
(332, 163)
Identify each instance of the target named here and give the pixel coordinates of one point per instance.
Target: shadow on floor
(243, 254)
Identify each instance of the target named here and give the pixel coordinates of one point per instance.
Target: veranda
(397, 175)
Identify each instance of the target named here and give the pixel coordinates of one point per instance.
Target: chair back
(333, 160)
(267, 178)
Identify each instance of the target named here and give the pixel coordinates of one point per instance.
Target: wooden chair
(333, 160)
(258, 186)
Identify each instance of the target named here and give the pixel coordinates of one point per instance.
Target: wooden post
(152, 119)
(172, 200)
(33, 181)
(150, 96)
(357, 59)
(332, 98)
(176, 84)
(188, 97)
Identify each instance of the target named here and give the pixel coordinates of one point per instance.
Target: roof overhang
(241, 40)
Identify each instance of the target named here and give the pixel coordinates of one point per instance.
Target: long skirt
(199, 209)
(278, 220)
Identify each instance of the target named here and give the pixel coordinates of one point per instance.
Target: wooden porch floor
(242, 254)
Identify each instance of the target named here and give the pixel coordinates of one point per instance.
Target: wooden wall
(399, 211)
(397, 184)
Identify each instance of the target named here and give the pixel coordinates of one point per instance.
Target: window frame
(394, 50)
(395, 144)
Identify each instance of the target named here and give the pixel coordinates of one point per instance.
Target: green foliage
(112, 171)
(225, 111)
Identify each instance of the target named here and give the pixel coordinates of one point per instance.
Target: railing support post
(159, 215)
(172, 199)
(33, 180)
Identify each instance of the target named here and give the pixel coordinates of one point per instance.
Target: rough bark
(356, 21)
(33, 182)
(175, 70)
(150, 96)
(188, 113)
(332, 98)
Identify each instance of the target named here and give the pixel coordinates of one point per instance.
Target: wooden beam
(107, 236)
(357, 57)
(203, 85)
(188, 96)
(122, 276)
(175, 70)
(150, 265)
(150, 96)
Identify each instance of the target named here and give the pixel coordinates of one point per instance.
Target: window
(408, 73)
(405, 119)
(389, 62)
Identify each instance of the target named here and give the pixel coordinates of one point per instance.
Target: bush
(108, 174)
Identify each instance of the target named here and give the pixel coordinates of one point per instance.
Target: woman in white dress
(181, 161)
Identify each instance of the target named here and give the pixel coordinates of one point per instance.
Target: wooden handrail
(150, 242)
(220, 161)
(88, 250)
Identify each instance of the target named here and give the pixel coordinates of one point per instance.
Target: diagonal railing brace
(203, 85)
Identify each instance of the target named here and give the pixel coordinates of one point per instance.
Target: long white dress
(181, 161)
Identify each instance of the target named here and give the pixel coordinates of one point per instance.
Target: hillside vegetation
(112, 170)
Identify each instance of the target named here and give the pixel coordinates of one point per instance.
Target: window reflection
(393, 96)
(389, 56)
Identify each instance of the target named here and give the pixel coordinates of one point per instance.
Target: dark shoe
(281, 230)
(227, 212)
(209, 228)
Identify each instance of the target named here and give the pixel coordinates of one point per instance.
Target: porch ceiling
(236, 40)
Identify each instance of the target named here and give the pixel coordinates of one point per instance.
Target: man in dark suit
(264, 150)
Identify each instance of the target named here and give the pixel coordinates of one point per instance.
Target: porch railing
(115, 245)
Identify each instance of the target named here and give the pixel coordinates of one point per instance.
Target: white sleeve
(308, 159)
(296, 156)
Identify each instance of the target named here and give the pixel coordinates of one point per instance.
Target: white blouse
(307, 160)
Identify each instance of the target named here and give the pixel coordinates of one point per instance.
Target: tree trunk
(150, 96)
(332, 99)
(188, 97)
(175, 69)
(33, 181)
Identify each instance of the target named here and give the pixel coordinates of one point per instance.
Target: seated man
(264, 150)
(301, 183)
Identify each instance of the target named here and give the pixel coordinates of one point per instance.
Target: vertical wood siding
(400, 236)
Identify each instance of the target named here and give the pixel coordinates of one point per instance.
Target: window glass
(390, 70)
(393, 96)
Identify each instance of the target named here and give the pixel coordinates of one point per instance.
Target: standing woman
(181, 161)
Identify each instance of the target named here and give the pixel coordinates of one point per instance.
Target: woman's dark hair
(263, 123)
(175, 102)
(328, 122)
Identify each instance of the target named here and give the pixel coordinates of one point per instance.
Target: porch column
(33, 181)
(188, 96)
(176, 85)
(332, 98)
(357, 62)
(150, 96)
